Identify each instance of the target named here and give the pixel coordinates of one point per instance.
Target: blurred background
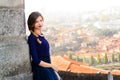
(81, 28)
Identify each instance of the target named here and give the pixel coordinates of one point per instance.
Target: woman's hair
(32, 18)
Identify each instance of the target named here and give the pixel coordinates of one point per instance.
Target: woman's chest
(44, 43)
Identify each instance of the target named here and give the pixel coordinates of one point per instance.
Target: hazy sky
(69, 5)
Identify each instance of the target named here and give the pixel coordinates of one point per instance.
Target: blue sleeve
(33, 49)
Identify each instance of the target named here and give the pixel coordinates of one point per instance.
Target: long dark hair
(32, 18)
(31, 21)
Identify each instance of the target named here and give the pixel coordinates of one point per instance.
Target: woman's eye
(36, 21)
(41, 20)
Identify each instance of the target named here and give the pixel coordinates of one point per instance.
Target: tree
(84, 59)
(105, 58)
(77, 58)
(69, 55)
(113, 58)
(91, 60)
(98, 59)
(119, 56)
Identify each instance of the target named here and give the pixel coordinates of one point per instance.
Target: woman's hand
(45, 64)
(54, 67)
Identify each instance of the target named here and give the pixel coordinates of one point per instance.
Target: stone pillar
(14, 54)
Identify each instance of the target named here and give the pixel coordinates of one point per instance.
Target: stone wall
(14, 54)
(83, 76)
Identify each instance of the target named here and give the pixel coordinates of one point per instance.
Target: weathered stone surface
(12, 22)
(11, 3)
(25, 76)
(14, 52)
(85, 76)
(14, 57)
(82, 76)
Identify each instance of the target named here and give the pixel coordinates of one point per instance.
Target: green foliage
(98, 59)
(104, 17)
(84, 60)
(69, 55)
(105, 60)
(77, 58)
(119, 57)
(113, 58)
(91, 60)
(105, 32)
(55, 54)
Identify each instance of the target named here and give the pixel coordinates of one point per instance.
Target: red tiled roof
(116, 72)
(60, 62)
(85, 69)
(65, 64)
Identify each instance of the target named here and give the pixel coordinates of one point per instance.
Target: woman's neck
(38, 32)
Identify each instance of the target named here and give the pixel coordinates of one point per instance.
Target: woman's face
(38, 23)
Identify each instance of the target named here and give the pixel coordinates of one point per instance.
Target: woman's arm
(45, 64)
(34, 54)
(33, 49)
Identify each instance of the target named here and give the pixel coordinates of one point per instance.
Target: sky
(68, 6)
(71, 6)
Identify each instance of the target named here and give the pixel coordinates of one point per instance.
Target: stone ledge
(12, 22)
(82, 76)
(24, 76)
(11, 3)
(14, 57)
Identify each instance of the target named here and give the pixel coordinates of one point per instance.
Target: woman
(39, 50)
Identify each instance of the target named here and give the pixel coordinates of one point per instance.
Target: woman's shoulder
(31, 36)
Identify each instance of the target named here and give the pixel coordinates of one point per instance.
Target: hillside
(86, 35)
(93, 31)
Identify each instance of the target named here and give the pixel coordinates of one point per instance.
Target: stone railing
(84, 76)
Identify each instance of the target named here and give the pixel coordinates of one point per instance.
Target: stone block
(12, 3)
(14, 59)
(14, 52)
(12, 22)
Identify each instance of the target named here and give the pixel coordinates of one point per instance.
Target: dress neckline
(41, 35)
(37, 35)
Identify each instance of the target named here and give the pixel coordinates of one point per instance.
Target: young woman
(39, 50)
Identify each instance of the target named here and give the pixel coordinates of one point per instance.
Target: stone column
(14, 54)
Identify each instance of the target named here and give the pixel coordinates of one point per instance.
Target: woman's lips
(39, 26)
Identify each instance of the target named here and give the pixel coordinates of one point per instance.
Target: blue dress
(38, 52)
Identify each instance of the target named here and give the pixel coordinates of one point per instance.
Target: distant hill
(81, 31)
